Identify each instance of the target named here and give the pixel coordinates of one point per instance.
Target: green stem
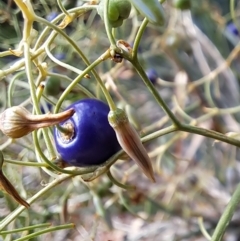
(48, 141)
(113, 180)
(20, 63)
(74, 45)
(35, 98)
(62, 7)
(232, 10)
(76, 80)
(30, 164)
(81, 9)
(47, 230)
(12, 216)
(227, 215)
(159, 133)
(11, 87)
(209, 133)
(153, 90)
(30, 77)
(60, 63)
(180, 126)
(107, 25)
(203, 229)
(90, 67)
(43, 225)
(59, 31)
(80, 87)
(138, 38)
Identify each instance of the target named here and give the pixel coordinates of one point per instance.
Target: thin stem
(203, 229)
(28, 15)
(30, 164)
(47, 230)
(48, 141)
(155, 93)
(107, 24)
(81, 9)
(12, 216)
(227, 215)
(60, 63)
(63, 9)
(159, 133)
(59, 31)
(11, 85)
(232, 10)
(113, 180)
(30, 77)
(43, 225)
(34, 97)
(181, 111)
(138, 38)
(74, 45)
(212, 75)
(209, 133)
(76, 80)
(19, 64)
(105, 56)
(80, 87)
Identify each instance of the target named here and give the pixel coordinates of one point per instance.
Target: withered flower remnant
(17, 121)
(130, 142)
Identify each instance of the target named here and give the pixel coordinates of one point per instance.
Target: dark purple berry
(93, 140)
(60, 56)
(51, 16)
(46, 108)
(233, 29)
(152, 75)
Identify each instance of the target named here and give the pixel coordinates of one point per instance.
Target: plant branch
(227, 215)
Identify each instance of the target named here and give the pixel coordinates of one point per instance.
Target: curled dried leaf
(7, 186)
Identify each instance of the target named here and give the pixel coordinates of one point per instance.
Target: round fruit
(182, 4)
(51, 16)
(231, 27)
(52, 86)
(118, 10)
(93, 140)
(152, 75)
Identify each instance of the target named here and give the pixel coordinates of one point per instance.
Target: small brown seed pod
(16, 121)
(130, 142)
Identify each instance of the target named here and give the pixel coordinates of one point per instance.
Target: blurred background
(195, 176)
